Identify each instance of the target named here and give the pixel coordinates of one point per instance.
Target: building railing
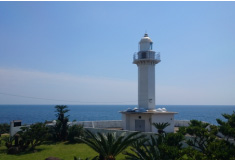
(146, 55)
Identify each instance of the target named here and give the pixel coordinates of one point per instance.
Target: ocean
(40, 113)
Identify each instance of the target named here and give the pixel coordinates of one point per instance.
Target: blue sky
(82, 52)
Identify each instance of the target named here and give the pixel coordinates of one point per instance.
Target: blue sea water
(39, 113)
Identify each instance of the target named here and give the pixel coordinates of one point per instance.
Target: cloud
(60, 86)
(35, 87)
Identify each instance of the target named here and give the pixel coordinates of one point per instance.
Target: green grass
(61, 150)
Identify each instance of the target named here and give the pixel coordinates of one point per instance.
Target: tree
(34, 135)
(227, 128)
(203, 138)
(161, 126)
(190, 153)
(75, 131)
(109, 145)
(220, 149)
(143, 149)
(4, 128)
(163, 147)
(8, 141)
(201, 134)
(61, 127)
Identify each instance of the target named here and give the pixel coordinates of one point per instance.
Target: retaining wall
(100, 125)
(119, 124)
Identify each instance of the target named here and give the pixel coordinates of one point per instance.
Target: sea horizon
(40, 113)
(125, 104)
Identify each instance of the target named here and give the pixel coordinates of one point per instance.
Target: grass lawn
(61, 150)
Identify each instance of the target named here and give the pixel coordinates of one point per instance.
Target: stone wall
(182, 123)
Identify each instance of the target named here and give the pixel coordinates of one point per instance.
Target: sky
(82, 52)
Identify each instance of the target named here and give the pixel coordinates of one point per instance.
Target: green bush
(75, 131)
(4, 128)
(33, 135)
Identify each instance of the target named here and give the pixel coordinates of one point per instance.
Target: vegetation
(33, 135)
(109, 145)
(163, 147)
(202, 134)
(143, 149)
(202, 140)
(161, 126)
(8, 141)
(28, 137)
(198, 141)
(61, 127)
(62, 150)
(227, 128)
(4, 128)
(203, 137)
(75, 132)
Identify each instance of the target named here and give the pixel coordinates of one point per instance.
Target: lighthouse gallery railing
(149, 55)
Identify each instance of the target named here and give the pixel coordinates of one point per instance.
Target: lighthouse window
(144, 55)
(151, 45)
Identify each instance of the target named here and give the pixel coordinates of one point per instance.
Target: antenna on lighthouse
(146, 34)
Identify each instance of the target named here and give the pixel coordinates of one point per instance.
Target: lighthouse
(146, 59)
(142, 117)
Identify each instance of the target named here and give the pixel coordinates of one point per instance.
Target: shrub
(33, 135)
(4, 128)
(75, 131)
(227, 128)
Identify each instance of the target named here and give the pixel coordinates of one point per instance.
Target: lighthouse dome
(145, 39)
(145, 43)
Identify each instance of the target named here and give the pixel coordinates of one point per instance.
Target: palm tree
(143, 151)
(163, 147)
(109, 145)
(61, 126)
(161, 126)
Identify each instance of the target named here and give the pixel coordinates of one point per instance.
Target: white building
(141, 118)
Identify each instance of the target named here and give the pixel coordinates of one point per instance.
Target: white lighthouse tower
(146, 59)
(142, 118)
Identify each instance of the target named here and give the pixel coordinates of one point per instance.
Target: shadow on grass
(50, 142)
(4, 150)
(30, 152)
(74, 142)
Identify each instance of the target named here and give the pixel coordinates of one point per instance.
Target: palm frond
(109, 145)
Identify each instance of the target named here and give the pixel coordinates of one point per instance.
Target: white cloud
(61, 86)
(102, 90)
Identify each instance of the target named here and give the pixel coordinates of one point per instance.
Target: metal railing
(146, 55)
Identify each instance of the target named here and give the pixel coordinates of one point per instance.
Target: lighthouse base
(142, 121)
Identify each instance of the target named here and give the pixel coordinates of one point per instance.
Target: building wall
(163, 118)
(125, 122)
(14, 130)
(129, 121)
